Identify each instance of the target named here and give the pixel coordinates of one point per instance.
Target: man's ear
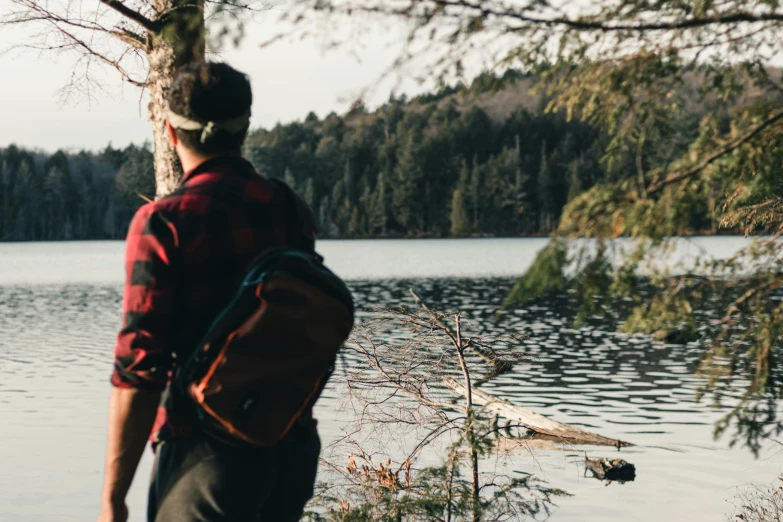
(172, 134)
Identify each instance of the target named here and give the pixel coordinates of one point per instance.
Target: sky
(289, 80)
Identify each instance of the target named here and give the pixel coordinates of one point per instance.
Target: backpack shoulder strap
(299, 235)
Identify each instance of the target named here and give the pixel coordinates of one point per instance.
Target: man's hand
(131, 417)
(113, 512)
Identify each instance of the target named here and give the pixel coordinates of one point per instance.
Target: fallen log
(533, 421)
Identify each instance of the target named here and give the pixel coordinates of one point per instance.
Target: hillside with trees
(476, 160)
(66, 196)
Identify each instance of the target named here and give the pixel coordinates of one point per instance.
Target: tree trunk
(476, 488)
(179, 42)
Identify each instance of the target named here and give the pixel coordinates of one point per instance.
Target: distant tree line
(431, 167)
(443, 165)
(438, 165)
(71, 196)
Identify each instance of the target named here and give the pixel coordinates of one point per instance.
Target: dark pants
(200, 479)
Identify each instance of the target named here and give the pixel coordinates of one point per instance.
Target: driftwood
(533, 421)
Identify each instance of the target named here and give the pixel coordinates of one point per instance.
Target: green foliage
(418, 154)
(591, 283)
(546, 274)
(430, 493)
(394, 172)
(72, 196)
(459, 217)
(686, 106)
(693, 124)
(686, 102)
(590, 275)
(134, 179)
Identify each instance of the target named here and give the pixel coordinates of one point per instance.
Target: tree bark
(179, 41)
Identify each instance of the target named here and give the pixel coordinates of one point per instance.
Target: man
(185, 255)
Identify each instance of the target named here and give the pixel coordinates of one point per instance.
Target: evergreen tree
(28, 198)
(399, 166)
(289, 179)
(6, 208)
(407, 192)
(475, 194)
(337, 214)
(546, 196)
(327, 226)
(88, 215)
(109, 224)
(309, 193)
(392, 172)
(353, 227)
(520, 197)
(460, 226)
(135, 180)
(379, 209)
(54, 198)
(575, 184)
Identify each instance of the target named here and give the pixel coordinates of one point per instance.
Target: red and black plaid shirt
(185, 256)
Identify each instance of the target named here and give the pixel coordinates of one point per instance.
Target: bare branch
(42, 15)
(108, 61)
(130, 14)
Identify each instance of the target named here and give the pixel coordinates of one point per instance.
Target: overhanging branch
(586, 24)
(132, 15)
(680, 175)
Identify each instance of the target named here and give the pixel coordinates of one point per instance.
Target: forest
(483, 159)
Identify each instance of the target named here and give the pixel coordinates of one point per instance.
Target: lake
(60, 310)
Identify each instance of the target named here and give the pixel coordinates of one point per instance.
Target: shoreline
(694, 234)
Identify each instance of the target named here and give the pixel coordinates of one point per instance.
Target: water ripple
(55, 357)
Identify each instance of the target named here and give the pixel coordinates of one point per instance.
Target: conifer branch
(680, 175)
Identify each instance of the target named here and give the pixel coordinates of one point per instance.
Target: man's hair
(210, 92)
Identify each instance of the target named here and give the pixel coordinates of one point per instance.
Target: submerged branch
(533, 421)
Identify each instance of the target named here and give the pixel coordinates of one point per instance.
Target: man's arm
(143, 357)
(131, 416)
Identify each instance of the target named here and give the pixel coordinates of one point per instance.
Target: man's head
(209, 108)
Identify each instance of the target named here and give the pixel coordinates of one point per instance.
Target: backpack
(266, 358)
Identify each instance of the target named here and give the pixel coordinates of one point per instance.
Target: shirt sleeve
(143, 353)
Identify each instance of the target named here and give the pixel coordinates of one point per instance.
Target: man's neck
(190, 160)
